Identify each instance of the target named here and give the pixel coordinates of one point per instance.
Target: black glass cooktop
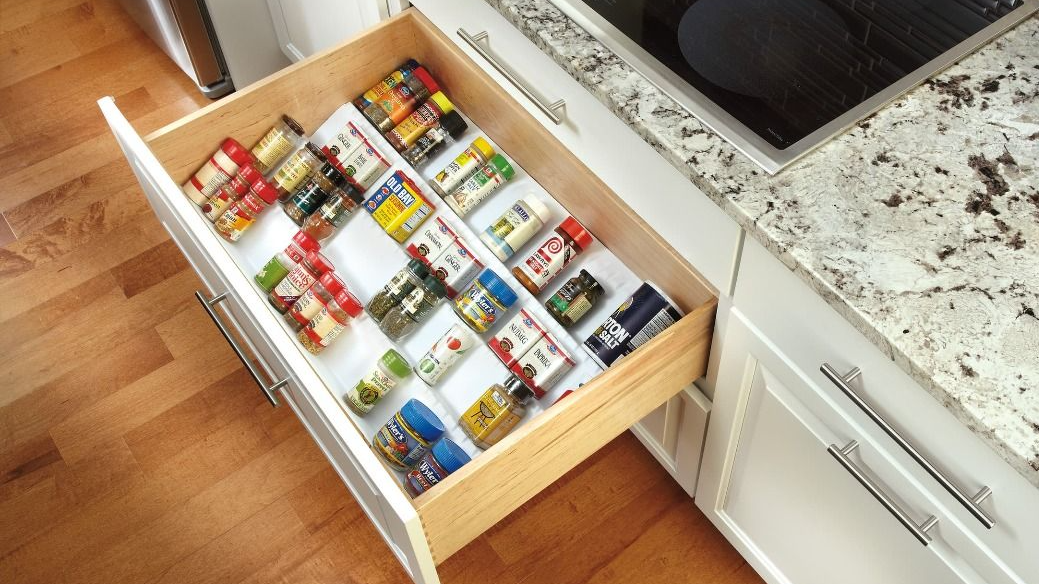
(786, 68)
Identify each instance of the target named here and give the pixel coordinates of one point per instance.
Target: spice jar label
(542, 365)
(370, 390)
(490, 418)
(293, 285)
(431, 241)
(343, 143)
(456, 267)
(516, 337)
(396, 203)
(325, 327)
(547, 261)
(644, 315)
(308, 306)
(444, 353)
(398, 444)
(364, 166)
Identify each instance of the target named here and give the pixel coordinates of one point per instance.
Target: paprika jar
(296, 169)
(243, 212)
(314, 192)
(484, 301)
(279, 266)
(313, 300)
(407, 436)
(444, 458)
(555, 253)
(329, 322)
(340, 205)
(387, 373)
(220, 168)
(277, 143)
(234, 190)
(298, 280)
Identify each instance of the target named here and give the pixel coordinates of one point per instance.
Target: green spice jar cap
(397, 364)
(434, 285)
(502, 166)
(418, 268)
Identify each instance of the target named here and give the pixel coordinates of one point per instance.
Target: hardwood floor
(133, 446)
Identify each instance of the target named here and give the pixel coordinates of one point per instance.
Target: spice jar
(444, 353)
(296, 169)
(313, 300)
(277, 143)
(243, 212)
(279, 266)
(419, 122)
(444, 458)
(336, 210)
(407, 436)
(403, 319)
(462, 167)
(232, 191)
(574, 299)
(449, 128)
(396, 289)
(555, 253)
(215, 173)
(329, 322)
(299, 279)
(516, 226)
(484, 301)
(363, 166)
(391, 81)
(314, 192)
(389, 370)
(390, 108)
(496, 413)
(478, 187)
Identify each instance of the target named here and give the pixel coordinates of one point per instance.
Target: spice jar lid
(418, 268)
(249, 173)
(396, 363)
(434, 285)
(316, 152)
(293, 125)
(329, 171)
(305, 241)
(502, 166)
(580, 235)
(442, 102)
(422, 75)
(590, 280)
(352, 192)
(332, 283)
(422, 420)
(265, 191)
(497, 287)
(516, 387)
(348, 302)
(538, 207)
(484, 147)
(320, 262)
(454, 124)
(450, 455)
(409, 66)
(235, 151)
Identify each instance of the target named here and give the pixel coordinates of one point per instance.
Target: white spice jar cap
(538, 207)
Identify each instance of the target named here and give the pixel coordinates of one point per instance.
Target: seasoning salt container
(485, 301)
(443, 459)
(417, 306)
(642, 316)
(480, 185)
(277, 143)
(333, 214)
(329, 322)
(313, 300)
(419, 122)
(402, 283)
(313, 193)
(555, 253)
(574, 299)
(221, 167)
(392, 80)
(496, 413)
(388, 371)
(462, 167)
(296, 169)
(448, 129)
(407, 436)
(279, 266)
(392, 107)
(516, 226)
(298, 280)
(243, 212)
(444, 353)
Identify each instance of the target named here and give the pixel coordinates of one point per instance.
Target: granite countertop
(920, 225)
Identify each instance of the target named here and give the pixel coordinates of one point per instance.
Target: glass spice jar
(388, 372)
(337, 209)
(407, 436)
(329, 322)
(392, 107)
(485, 300)
(462, 167)
(496, 413)
(444, 458)
(243, 212)
(555, 253)
(299, 279)
(279, 266)
(313, 193)
(480, 185)
(574, 299)
(217, 171)
(403, 319)
(313, 300)
(277, 143)
(232, 191)
(392, 80)
(449, 128)
(419, 122)
(296, 169)
(402, 283)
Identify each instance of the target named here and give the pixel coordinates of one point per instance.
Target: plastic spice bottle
(336, 210)
(443, 459)
(462, 167)
(478, 187)
(419, 122)
(388, 371)
(392, 80)
(314, 192)
(232, 191)
(484, 301)
(516, 226)
(243, 212)
(555, 253)
(496, 413)
(299, 279)
(574, 299)
(392, 107)
(444, 353)
(402, 283)
(296, 169)
(329, 322)
(279, 266)
(277, 143)
(313, 300)
(448, 129)
(403, 319)
(407, 436)
(220, 168)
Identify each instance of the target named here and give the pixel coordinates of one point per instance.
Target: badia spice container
(314, 192)
(555, 253)
(392, 80)
(234, 190)
(574, 299)
(243, 212)
(388, 371)
(279, 266)
(336, 210)
(444, 353)
(277, 143)
(299, 279)
(392, 107)
(496, 413)
(313, 300)
(449, 128)
(443, 459)
(480, 185)
(296, 169)
(402, 283)
(407, 436)
(485, 301)
(329, 322)
(419, 122)
(217, 171)
(516, 226)
(403, 319)
(462, 167)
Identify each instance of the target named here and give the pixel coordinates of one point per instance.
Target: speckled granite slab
(920, 225)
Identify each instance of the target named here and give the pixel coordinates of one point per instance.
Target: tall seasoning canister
(282, 263)
(408, 435)
(298, 280)
(217, 171)
(392, 107)
(243, 213)
(644, 315)
(388, 372)
(297, 168)
(419, 122)
(392, 80)
(444, 354)
(277, 143)
(568, 240)
(480, 185)
(234, 190)
(448, 129)
(329, 322)
(496, 413)
(462, 167)
(313, 300)
(516, 226)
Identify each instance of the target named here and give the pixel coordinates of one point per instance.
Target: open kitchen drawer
(427, 530)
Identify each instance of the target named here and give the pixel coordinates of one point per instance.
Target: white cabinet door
(305, 27)
(674, 435)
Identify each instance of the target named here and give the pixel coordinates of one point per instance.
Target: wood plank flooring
(133, 446)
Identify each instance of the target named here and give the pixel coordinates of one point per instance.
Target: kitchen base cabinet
(674, 435)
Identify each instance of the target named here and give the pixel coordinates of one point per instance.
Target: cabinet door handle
(209, 304)
(549, 109)
(919, 531)
(971, 503)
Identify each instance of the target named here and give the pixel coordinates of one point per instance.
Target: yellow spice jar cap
(442, 102)
(484, 147)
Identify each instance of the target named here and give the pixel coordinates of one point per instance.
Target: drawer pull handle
(919, 531)
(210, 307)
(971, 503)
(549, 109)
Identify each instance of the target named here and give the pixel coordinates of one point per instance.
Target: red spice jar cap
(349, 303)
(305, 241)
(235, 151)
(248, 172)
(320, 262)
(265, 191)
(240, 187)
(332, 283)
(580, 235)
(431, 85)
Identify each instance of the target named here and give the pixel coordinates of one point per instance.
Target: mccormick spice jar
(279, 266)
(392, 107)
(277, 143)
(403, 319)
(298, 281)
(444, 353)
(516, 337)
(392, 80)
(443, 459)
(644, 315)
(344, 142)
(462, 167)
(554, 254)
(496, 413)
(399, 207)
(329, 322)
(407, 436)
(574, 299)
(234, 190)
(480, 185)
(296, 169)
(543, 365)
(314, 192)
(448, 129)
(387, 373)
(485, 301)
(402, 283)
(516, 227)
(313, 300)
(431, 241)
(363, 166)
(220, 168)
(243, 212)
(333, 214)
(455, 267)
(419, 122)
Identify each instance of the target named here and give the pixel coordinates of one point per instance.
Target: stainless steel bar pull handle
(919, 531)
(549, 109)
(972, 504)
(210, 307)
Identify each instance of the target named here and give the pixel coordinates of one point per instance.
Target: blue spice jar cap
(497, 287)
(449, 455)
(422, 420)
